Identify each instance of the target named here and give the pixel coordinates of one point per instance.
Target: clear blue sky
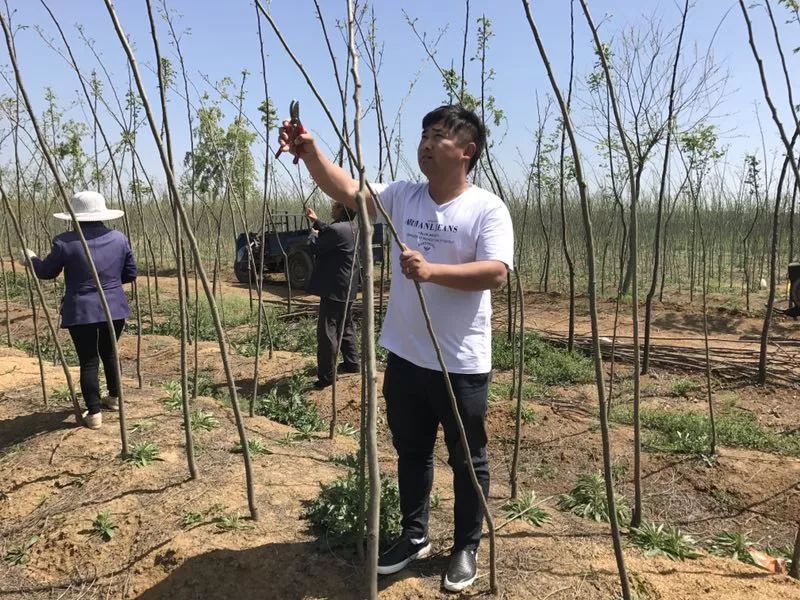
(223, 42)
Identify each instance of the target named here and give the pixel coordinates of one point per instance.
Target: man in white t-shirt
(458, 245)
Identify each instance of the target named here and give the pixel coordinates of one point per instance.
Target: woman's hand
(24, 258)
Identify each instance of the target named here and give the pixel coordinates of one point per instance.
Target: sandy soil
(55, 478)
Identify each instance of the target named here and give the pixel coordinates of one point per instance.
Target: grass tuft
(18, 555)
(544, 362)
(143, 454)
(201, 420)
(255, 446)
(526, 508)
(687, 432)
(731, 544)
(588, 500)
(664, 540)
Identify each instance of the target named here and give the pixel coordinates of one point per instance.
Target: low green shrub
(588, 499)
(334, 513)
(664, 540)
(288, 404)
(731, 544)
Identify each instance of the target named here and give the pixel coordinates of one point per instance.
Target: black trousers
(333, 316)
(93, 344)
(416, 403)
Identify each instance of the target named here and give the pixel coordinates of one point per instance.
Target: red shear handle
(298, 129)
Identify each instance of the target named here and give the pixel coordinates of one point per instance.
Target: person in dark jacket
(81, 310)
(335, 281)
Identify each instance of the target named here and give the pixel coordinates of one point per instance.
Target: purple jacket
(113, 258)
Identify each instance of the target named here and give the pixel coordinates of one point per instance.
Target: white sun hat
(89, 206)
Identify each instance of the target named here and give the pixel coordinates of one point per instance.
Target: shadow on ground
(24, 427)
(280, 571)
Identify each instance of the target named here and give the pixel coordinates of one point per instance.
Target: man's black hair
(349, 213)
(462, 122)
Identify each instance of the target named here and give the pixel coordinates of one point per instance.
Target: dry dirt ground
(55, 478)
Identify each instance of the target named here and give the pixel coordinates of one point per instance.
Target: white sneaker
(94, 421)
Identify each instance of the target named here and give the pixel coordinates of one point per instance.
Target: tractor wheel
(300, 267)
(242, 273)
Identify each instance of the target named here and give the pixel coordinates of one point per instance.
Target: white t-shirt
(474, 226)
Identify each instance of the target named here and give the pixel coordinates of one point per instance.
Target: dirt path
(56, 478)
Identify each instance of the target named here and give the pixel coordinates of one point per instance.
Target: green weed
(62, 395)
(18, 555)
(526, 508)
(191, 519)
(544, 362)
(500, 391)
(174, 395)
(103, 526)
(296, 335)
(688, 431)
(731, 545)
(168, 322)
(48, 349)
(334, 513)
(291, 407)
(685, 387)
(143, 454)
(588, 499)
(528, 415)
(11, 451)
(204, 386)
(346, 460)
(255, 446)
(141, 427)
(346, 429)
(664, 540)
(201, 420)
(232, 522)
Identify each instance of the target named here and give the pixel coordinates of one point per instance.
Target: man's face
(441, 152)
(337, 211)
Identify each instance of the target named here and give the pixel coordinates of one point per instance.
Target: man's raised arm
(330, 177)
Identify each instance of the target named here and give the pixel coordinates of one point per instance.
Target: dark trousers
(333, 316)
(93, 344)
(416, 403)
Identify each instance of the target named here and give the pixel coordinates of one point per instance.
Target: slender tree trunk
(598, 360)
(368, 327)
(648, 310)
(195, 250)
(187, 420)
(5, 290)
(794, 571)
(709, 394)
(633, 270)
(773, 275)
(562, 187)
(518, 384)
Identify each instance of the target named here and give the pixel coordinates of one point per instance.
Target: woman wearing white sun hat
(81, 311)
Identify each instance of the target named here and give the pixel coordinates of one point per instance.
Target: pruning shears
(293, 129)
